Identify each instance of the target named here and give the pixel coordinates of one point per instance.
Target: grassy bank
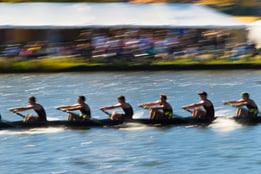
(72, 64)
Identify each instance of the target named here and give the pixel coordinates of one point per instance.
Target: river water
(222, 147)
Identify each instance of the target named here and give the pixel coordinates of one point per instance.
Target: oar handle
(187, 110)
(61, 109)
(106, 112)
(69, 112)
(232, 105)
(19, 114)
(64, 110)
(144, 106)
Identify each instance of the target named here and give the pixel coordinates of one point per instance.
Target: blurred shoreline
(79, 65)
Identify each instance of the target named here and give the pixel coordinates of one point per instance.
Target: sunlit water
(222, 147)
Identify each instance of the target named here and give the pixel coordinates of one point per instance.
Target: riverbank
(73, 64)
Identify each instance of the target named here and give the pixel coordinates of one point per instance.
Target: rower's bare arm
(187, 107)
(21, 109)
(232, 102)
(106, 108)
(12, 109)
(242, 103)
(74, 107)
(68, 107)
(111, 107)
(62, 107)
(149, 104)
(192, 106)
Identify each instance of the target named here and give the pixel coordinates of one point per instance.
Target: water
(223, 147)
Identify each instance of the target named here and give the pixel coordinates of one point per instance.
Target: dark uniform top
(86, 114)
(167, 111)
(210, 111)
(128, 111)
(253, 110)
(41, 113)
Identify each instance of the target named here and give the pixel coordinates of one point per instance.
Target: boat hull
(105, 123)
(248, 120)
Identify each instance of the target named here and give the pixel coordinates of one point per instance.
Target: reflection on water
(139, 114)
(49, 130)
(133, 127)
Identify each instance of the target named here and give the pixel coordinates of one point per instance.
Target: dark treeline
(13, 1)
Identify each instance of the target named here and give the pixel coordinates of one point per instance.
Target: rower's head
(31, 100)
(81, 99)
(203, 94)
(163, 97)
(245, 95)
(121, 99)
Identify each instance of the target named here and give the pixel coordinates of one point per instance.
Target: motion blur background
(99, 37)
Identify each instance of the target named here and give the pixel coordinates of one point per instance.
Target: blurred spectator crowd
(132, 43)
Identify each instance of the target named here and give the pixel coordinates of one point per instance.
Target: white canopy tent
(87, 15)
(254, 33)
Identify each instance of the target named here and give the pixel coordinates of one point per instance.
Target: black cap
(202, 93)
(245, 94)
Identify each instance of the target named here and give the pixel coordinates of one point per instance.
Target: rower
(126, 107)
(203, 109)
(81, 106)
(41, 114)
(251, 109)
(160, 109)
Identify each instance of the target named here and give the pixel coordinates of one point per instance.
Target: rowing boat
(117, 123)
(105, 123)
(248, 120)
(59, 123)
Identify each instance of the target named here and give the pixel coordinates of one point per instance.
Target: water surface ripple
(223, 147)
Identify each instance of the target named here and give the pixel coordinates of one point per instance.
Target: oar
(21, 115)
(17, 113)
(190, 111)
(106, 112)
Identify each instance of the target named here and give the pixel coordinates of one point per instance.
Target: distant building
(254, 33)
(61, 22)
